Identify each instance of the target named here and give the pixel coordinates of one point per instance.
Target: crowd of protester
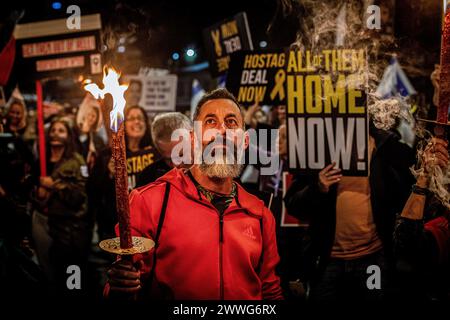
(51, 221)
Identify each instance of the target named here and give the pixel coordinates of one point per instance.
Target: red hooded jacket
(194, 261)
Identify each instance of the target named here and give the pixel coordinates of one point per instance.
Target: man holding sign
(352, 220)
(351, 182)
(326, 112)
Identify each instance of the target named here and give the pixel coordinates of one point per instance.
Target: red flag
(41, 132)
(7, 56)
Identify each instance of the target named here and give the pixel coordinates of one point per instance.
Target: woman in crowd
(140, 154)
(61, 227)
(16, 118)
(137, 129)
(89, 142)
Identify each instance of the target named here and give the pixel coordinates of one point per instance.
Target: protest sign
(326, 111)
(48, 49)
(258, 76)
(137, 162)
(224, 38)
(153, 93)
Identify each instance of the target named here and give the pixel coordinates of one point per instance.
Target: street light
(175, 56)
(56, 5)
(190, 52)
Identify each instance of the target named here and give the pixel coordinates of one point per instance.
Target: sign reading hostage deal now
(258, 76)
(326, 111)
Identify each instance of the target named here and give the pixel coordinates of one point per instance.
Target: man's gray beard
(221, 170)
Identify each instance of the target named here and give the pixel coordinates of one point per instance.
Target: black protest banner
(258, 76)
(224, 38)
(326, 111)
(137, 162)
(50, 48)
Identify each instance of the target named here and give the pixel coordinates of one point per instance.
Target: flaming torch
(125, 244)
(441, 122)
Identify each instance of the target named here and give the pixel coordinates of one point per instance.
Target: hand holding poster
(326, 111)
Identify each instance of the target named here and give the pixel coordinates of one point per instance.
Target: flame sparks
(112, 86)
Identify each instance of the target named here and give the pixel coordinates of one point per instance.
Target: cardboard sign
(49, 48)
(258, 76)
(224, 38)
(153, 93)
(326, 111)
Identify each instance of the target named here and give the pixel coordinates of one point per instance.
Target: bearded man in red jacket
(213, 239)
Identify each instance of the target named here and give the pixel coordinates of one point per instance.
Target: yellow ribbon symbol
(279, 85)
(215, 35)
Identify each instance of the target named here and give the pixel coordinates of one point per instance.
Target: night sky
(151, 31)
(155, 29)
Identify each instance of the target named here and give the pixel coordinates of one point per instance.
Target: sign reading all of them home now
(154, 93)
(326, 111)
(325, 99)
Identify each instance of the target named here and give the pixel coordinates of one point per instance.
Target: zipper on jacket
(221, 228)
(221, 255)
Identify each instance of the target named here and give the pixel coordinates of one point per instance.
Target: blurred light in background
(175, 56)
(263, 44)
(190, 52)
(56, 5)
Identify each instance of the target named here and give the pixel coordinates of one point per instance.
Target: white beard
(221, 166)
(220, 170)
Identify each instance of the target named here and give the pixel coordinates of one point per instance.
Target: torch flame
(111, 85)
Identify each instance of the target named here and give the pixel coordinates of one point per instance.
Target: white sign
(153, 93)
